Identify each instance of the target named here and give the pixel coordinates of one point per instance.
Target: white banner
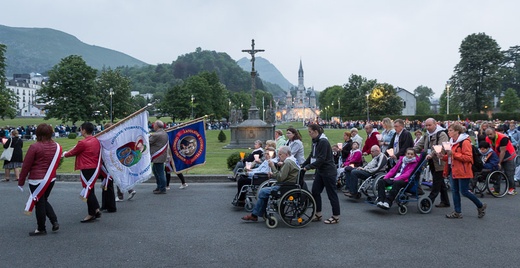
(126, 152)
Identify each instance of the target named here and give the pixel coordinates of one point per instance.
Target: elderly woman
(259, 151)
(386, 134)
(40, 164)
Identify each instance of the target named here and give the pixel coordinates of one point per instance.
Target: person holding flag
(158, 152)
(88, 161)
(40, 165)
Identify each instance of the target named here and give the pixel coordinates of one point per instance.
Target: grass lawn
(215, 156)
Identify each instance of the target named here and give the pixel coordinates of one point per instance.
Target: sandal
(454, 215)
(317, 218)
(331, 220)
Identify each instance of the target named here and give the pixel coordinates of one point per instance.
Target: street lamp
(111, 94)
(339, 107)
(192, 99)
(368, 112)
(448, 84)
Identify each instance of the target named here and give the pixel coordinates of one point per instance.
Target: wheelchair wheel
(374, 185)
(271, 222)
(402, 209)
(517, 160)
(297, 208)
(249, 204)
(424, 205)
(497, 183)
(267, 183)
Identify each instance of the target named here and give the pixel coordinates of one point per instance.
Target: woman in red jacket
(88, 161)
(40, 164)
(459, 161)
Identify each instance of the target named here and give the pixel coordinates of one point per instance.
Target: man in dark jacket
(401, 141)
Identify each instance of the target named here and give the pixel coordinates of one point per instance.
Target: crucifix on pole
(253, 111)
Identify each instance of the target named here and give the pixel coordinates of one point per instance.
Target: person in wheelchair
(257, 153)
(244, 178)
(397, 177)
(354, 160)
(376, 165)
(490, 160)
(288, 173)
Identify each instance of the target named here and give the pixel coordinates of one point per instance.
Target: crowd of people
(38, 169)
(395, 152)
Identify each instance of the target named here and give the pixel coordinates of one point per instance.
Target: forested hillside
(39, 49)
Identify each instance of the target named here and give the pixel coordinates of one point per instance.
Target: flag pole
(186, 123)
(125, 119)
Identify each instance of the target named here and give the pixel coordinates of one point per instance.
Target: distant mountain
(39, 49)
(267, 72)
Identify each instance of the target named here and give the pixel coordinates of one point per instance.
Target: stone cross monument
(246, 133)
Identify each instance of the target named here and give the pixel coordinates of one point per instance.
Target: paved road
(197, 227)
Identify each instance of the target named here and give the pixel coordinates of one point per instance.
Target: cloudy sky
(406, 43)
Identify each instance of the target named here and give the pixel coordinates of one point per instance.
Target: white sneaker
(183, 186)
(131, 194)
(379, 203)
(118, 200)
(168, 188)
(386, 205)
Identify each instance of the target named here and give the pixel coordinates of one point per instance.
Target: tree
(383, 100)
(476, 79)
(175, 103)
(423, 96)
(122, 104)
(71, 92)
(510, 69)
(7, 97)
(329, 98)
(510, 101)
(354, 97)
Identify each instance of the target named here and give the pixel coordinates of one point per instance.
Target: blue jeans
(459, 186)
(160, 176)
(261, 203)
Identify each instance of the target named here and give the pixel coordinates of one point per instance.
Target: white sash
(86, 189)
(161, 151)
(40, 190)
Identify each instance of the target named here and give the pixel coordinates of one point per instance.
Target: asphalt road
(198, 227)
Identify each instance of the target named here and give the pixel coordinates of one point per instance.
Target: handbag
(7, 154)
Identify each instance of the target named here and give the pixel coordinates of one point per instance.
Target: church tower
(300, 77)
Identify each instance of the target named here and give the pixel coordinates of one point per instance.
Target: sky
(406, 43)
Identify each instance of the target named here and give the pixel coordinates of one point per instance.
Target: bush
(221, 136)
(233, 159)
(72, 136)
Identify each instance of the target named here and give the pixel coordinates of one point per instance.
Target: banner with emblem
(126, 150)
(188, 145)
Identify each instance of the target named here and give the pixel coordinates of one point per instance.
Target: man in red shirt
(371, 139)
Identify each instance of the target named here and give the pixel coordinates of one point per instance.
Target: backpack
(478, 165)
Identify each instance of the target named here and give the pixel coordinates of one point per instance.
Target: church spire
(300, 77)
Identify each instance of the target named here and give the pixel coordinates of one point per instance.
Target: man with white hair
(158, 152)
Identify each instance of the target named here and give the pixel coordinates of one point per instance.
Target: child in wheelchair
(490, 160)
(287, 174)
(397, 177)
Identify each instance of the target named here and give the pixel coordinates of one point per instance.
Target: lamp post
(368, 112)
(339, 108)
(303, 120)
(448, 84)
(111, 112)
(229, 105)
(192, 99)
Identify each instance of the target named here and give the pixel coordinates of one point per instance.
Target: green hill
(38, 49)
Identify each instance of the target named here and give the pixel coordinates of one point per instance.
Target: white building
(25, 87)
(409, 101)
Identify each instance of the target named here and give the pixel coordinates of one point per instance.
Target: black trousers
(108, 197)
(92, 202)
(169, 176)
(44, 208)
(396, 186)
(438, 186)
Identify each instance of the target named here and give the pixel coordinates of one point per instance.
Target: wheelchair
(258, 181)
(409, 193)
(494, 182)
(368, 187)
(292, 204)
